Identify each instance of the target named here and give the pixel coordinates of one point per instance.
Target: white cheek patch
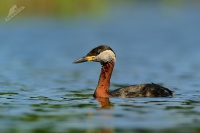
(105, 56)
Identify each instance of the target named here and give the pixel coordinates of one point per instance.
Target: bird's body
(142, 90)
(106, 56)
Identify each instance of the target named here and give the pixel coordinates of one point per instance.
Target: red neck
(102, 89)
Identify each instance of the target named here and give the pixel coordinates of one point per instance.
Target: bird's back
(142, 90)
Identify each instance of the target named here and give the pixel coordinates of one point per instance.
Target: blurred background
(160, 34)
(155, 41)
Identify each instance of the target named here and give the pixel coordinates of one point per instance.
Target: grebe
(106, 56)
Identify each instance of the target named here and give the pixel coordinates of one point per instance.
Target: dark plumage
(142, 90)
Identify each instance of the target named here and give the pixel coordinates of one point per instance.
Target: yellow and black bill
(84, 59)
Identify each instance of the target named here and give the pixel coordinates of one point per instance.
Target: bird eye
(98, 52)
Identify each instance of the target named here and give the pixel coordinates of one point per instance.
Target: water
(42, 91)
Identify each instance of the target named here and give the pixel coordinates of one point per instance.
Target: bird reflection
(105, 103)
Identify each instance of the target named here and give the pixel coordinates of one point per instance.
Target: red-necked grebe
(106, 56)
